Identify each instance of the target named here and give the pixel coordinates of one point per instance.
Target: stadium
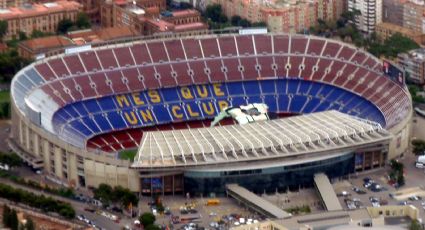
(334, 108)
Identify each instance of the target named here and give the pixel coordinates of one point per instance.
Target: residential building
(288, 16)
(39, 48)
(146, 17)
(370, 14)
(413, 63)
(3, 47)
(12, 3)
(414, 16)
(92, 9)
(392, 11)
(43, 17)
(385, 30)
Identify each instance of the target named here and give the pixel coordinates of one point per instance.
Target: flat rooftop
(264, 140)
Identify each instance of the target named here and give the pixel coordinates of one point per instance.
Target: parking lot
(228, 210)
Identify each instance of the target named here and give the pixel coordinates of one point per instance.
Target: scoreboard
(393, 72)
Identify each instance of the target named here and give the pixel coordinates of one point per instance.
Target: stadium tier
(102, 100)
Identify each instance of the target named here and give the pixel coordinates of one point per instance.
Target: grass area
(4, 96)
(128, 154)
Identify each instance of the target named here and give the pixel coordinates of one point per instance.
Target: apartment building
(12, 3)
(385, 30)
(43, 17)
(413, 63)
(370, 14)
(409, 14)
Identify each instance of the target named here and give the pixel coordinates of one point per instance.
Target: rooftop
(51, 42)
(263, 140)
(29, 10)
(106, 34)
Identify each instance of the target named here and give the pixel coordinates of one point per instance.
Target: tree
(29, 225)
(147, 219)
(6, 215)
(215, 13)
(103, 193)
(259, 24)
(418, 146)
(64, 26)
(235, 20)
(3, 29)
(415, 225)
(83, 21)
(14, 223)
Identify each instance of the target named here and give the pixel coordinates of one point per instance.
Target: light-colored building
(370, 14)
(287, 16)
(385, 30)
(12, 3)
(413, 63)
(43, 17)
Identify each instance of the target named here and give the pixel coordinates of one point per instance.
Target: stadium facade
(73, 113)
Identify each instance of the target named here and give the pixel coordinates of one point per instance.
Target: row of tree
(147, 219)
(117, 195)
(11, 159)
(397, 172)
(45, 204)
(218, 20)
(10, 220)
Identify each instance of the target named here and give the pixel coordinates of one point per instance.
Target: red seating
(132, 76)
(118, 84)
(166, 79)
(210, 47)
(85, 84)
(70, 85)
(215, 68)
(323, 64)
(175, 50)
(227, 46)
(149, 78)
(157, 51)
(346, 53)
(59, 88)
(281, 44)
(124, 56)
(58, 67)
(298, 44)
(249, 71)
(295, 65)
(281, 62)
(45, 71)
(90, 61)
(266, 63)
(183, 77)
(347, 71)
(309, 63)
(74, 64)
(140, 54)
(331, 49)
(101, 84)
(359, 57)
(107, 58)
(56, 97)
(263, 44)
(232, 65)
(199, 75)
(335, 68)
(315, 46)
(244, 44)
(192, 48)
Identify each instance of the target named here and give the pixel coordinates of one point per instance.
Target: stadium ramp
(326, 192)
(255, 202)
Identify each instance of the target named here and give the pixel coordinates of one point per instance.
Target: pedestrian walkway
(326, 192)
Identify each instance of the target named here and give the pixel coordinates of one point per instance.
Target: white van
(419, 165)
(420, 162)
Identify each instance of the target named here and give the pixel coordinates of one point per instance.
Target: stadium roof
(308, 133)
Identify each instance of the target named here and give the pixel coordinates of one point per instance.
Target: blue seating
(167, 105)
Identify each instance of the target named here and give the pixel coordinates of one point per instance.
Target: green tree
(415, 225)
(104, 193)
(29, 225)
(83, 21)
(147, 219)
(3, 29)
(14, 223)
(6, 215)
(259, 24)
(215, 13)
(418, 146)
(64, 26)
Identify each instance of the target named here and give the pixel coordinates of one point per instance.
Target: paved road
(100, 221)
